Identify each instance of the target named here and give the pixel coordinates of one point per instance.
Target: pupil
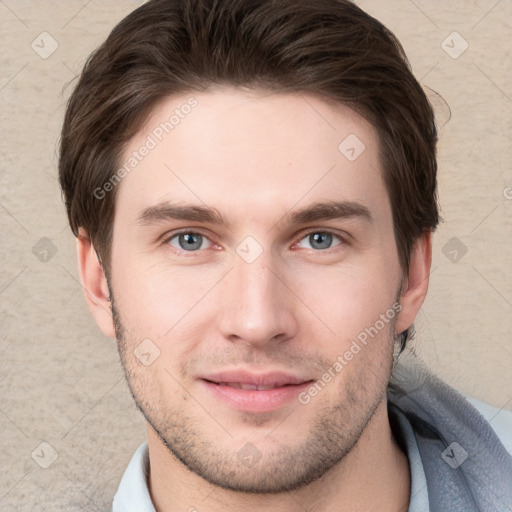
(320, 240)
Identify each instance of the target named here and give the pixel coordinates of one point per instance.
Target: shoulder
(500, 420)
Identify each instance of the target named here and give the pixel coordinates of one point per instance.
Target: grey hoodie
(467, 467)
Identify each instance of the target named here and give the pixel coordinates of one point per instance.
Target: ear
(415, 286)
(94, 283)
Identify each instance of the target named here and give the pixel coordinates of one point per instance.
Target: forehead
(252, 152)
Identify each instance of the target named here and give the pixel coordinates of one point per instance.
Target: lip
(275, 378)
(286, 387)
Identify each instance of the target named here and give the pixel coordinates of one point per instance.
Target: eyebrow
(168, 211)
(330, 210)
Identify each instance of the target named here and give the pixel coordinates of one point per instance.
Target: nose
(257, 306)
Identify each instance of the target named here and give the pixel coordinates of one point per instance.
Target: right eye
(189, 241)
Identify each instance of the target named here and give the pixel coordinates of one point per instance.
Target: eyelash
(303, 235)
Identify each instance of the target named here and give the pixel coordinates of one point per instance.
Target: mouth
(250, 387)
(255, 393)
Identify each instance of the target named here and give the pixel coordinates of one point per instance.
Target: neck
(374, 475)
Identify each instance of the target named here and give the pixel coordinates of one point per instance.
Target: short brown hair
(327, 48)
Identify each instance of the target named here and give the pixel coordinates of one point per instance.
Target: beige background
(61, 382)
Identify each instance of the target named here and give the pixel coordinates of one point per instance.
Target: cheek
(350, 299)
(157, 301)
(360, 307)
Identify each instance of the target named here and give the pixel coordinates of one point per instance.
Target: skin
(256, 157)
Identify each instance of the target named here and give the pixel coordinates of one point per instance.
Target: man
(253, 188)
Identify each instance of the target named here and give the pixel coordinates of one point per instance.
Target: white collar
(133, 493)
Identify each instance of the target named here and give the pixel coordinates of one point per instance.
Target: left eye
(321, 240)
(189, 241)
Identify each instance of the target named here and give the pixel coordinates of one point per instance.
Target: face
(251, 249)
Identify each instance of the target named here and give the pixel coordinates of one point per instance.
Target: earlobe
(415, 285)
(94, 283)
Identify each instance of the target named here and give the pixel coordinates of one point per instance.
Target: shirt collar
(133, 492)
